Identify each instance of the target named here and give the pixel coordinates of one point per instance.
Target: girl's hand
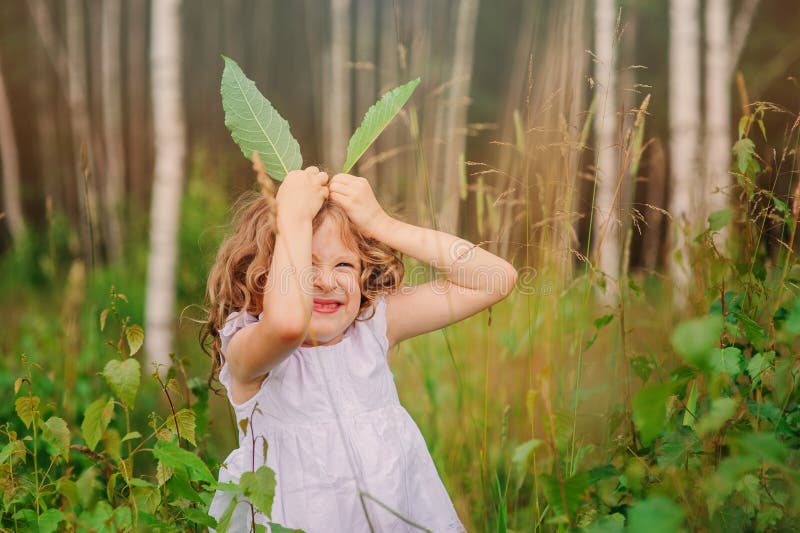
(302, 193)
(355, 195)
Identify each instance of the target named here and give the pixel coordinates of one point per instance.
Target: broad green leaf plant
(257, 127)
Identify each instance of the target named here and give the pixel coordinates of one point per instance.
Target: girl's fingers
(312, 170)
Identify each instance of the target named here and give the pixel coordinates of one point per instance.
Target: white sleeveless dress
(335, 428)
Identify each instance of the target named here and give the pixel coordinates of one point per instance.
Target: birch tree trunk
(718, 104)
(12, 203)
(684, 123)
(170, 152)
(112, 125)
(723, 49)
(337, 106)
(456, 117)
(606, 225)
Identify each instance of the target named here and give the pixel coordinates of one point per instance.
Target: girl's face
(337, 288)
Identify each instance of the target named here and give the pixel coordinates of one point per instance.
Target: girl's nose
(324, 279)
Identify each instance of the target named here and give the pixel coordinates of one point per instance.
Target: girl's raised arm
(252, 352)
(473, 279)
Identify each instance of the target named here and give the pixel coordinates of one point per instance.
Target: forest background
(635, 160)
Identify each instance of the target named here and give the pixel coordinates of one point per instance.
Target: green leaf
(522, 455)
(124, 377)
(6, 452)
(256, 126)
(719, 219)
(656, 514)
(199, 517)
(758, 364)
(184, 421)
(743, 150)
(765, 447)
(26, 406)
(179, 485)
(96, 419)
(147, 498)
(259, 487)
(650, 410)
(56, 433)
(603, 321)
(791, 324)
(132, 435)
(135, 336)
(375, 121)
(678, 446)
(752, 331)
(49, 520)
(574, 488)
(172, 455)
(694, 339)
(224, 522)
(727, 360)
(722, 409)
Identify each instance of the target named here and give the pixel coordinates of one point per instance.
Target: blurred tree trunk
(365, 60)
(83, 153)
(138, 115)
(170, 150)
(684, 122)
(511, 155)
(606, 226)
(49, 119)
(390, 141)
(70, 67)
(656, 193)
(112, 125)
(724, 46)
(337, 106)
(12, 202)
(446, 175)
(718, 108)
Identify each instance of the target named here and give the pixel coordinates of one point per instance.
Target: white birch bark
(724, 46)
(718, 103)
(606, 225)
(684, 121)
(456, 116)
(170, 152)
(12, 203)
(112, 125)
(337, 106)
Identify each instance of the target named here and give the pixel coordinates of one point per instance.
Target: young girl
(305, 306)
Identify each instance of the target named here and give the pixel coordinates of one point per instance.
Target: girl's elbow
(289, 329)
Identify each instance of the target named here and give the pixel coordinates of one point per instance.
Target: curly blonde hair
(239, 274)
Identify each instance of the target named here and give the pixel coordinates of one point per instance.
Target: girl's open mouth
(326, 306)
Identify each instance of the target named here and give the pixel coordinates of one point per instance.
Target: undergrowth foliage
(103, 474)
